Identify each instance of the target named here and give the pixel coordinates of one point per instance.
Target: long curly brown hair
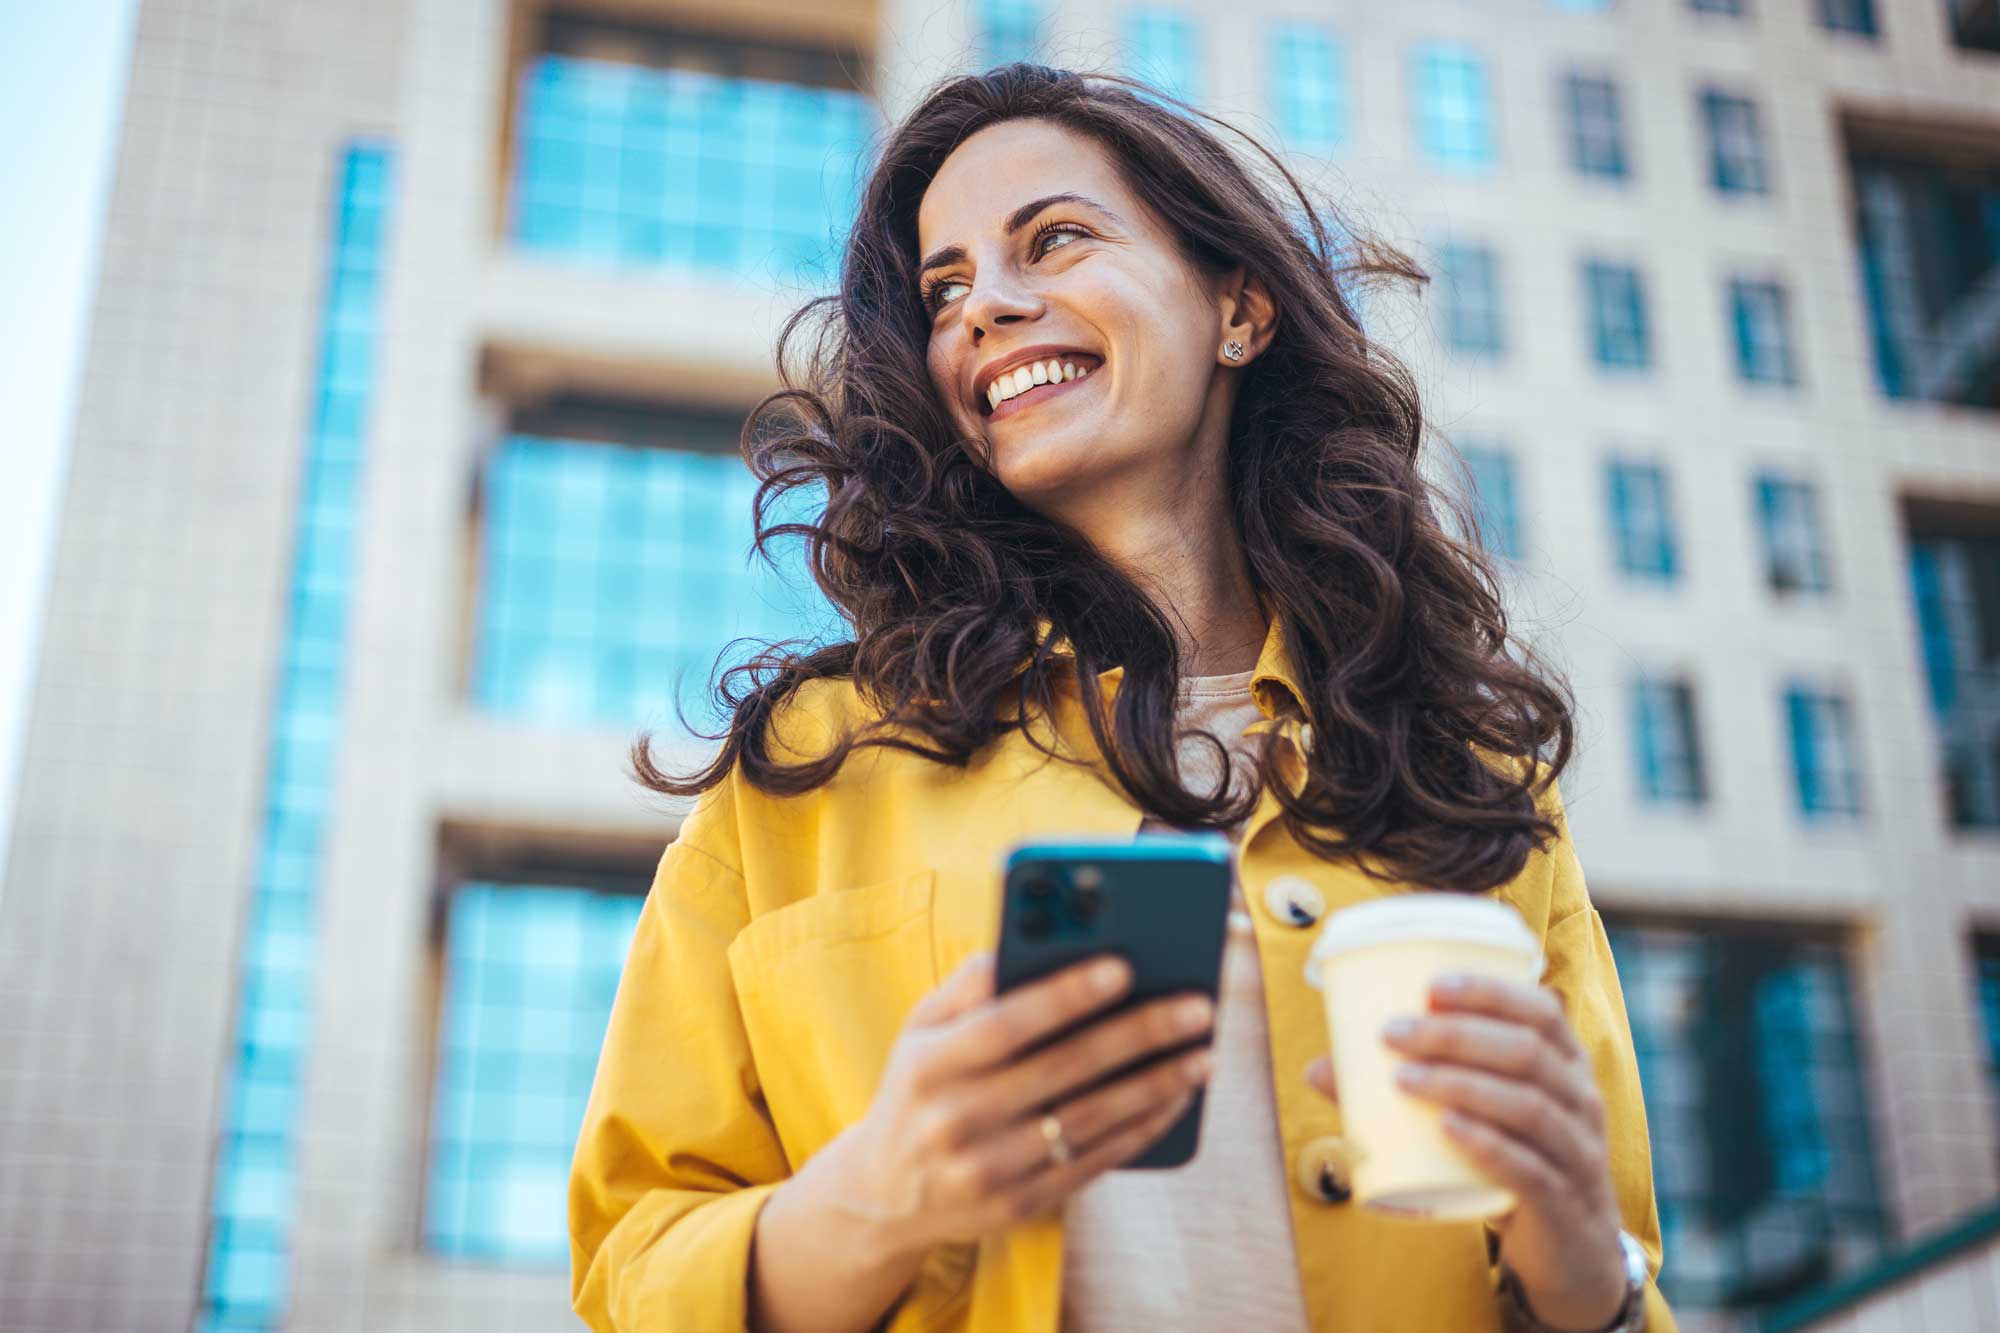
(1396, 625)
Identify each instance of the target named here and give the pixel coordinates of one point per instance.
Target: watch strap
(1631, 1316)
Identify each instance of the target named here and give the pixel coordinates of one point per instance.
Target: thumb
(969, 986)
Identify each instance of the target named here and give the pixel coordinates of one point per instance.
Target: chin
(1034, 468)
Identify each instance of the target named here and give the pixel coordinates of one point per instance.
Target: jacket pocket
(825, 985)
(777, 941)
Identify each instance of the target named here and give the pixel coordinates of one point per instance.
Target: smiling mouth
(1059, 374)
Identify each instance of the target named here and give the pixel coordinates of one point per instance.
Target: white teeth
(1009, 383)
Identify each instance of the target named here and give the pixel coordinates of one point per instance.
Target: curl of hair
(1395, 625)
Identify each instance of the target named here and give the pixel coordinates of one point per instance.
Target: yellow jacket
(785, 940)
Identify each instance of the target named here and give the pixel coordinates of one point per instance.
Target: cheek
(1159, 343)
(944, 373)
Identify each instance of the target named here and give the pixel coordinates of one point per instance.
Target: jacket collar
(1274, 683)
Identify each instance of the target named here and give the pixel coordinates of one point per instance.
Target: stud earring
(1233, 350)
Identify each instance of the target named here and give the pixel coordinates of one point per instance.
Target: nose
(998, 301)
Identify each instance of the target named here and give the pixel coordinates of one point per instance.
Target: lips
(1030, 359)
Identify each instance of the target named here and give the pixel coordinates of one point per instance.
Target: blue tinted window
(631, 165)
(1718, 6)
(1666, 745)
(1007, 30)
(252, 1203)
(1468, 297)
(1596, 125)
(1309, 87)
(1955, 581)
(1989, 1007)
(529, 976)
(1735, 143)
(1454, 106)
(1886, 278)
(1642, 522)
(1616, 301)
(1826, 765)
(1795, 557)
(1495, 499)
(1938, 623)
(1763, 1165)
(1929, 235)
(1162, 47)
(1763, 332)
(608, 569)
(1855, 16)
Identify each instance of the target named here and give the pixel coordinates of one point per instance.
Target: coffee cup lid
(1426, 915)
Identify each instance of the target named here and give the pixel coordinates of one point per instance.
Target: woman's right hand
(952, 1148)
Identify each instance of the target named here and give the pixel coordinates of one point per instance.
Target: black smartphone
(1158, 900)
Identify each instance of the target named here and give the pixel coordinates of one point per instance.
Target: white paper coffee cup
(1376, 961)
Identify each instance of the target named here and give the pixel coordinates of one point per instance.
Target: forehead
(1003, 166)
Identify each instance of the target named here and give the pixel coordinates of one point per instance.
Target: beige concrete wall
(143, 762)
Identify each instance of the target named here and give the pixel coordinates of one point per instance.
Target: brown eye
(1055, 229)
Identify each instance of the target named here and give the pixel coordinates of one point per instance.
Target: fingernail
(1449, 984)
(1399, 1029)
(1194, 1012)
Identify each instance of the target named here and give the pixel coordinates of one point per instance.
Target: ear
(1248, 313)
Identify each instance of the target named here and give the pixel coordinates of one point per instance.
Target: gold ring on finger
(1053, 1132)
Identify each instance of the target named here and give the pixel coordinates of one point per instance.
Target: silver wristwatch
(1631, 1316)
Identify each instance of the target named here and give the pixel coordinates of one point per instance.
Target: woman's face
(1035, 251)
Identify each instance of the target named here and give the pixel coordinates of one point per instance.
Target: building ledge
(1896, 1268)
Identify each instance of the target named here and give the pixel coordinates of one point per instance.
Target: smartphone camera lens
(1037, 922)
(1038, 886)
(1085, 899)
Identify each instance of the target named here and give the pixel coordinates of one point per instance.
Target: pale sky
(60, 98)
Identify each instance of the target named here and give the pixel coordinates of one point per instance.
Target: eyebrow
(1018, 219)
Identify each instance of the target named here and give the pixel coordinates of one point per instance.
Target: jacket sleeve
(677, 1152)
(1582, 971)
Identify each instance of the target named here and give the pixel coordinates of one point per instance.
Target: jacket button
(1294, 900)
(1325, 1164)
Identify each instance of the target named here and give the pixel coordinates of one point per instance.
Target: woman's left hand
(1520, 1098)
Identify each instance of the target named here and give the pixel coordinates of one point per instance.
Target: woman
(1123, 509)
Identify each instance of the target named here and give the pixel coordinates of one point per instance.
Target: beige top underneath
(1209, 1244)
